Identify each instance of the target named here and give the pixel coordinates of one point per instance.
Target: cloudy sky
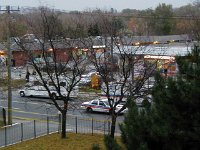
(80, 5)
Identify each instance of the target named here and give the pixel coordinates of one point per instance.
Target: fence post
(22, 132)
(34, 123)
(76, 124)
(4, 116)
(92, 125)
(108, 127)
(104, 126)
(47, 124)
(5, 136)
(59, 124)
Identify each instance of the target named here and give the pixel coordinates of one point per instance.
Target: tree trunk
(64, 118)
(113, 124)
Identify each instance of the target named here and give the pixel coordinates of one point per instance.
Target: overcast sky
(80, 5)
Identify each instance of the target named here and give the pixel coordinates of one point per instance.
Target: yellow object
(2, 53)
(95, 81)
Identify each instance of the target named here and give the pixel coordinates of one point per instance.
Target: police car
(100, 105)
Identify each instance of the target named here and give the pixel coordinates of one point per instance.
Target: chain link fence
(32, 129)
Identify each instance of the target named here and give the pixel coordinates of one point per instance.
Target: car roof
(100, 99)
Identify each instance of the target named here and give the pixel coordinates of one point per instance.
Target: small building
(162, 54)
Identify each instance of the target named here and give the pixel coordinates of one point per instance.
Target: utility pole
(8, 10)
(111, 50)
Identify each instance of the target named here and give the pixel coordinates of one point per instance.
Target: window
(94, 103)
(62, 83)
(37, 83)
(31, 88)
(52, 88)
(106, 103)
(102, 103)
(51, 84)
(40, 88)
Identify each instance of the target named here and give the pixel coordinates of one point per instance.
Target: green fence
(19, 132)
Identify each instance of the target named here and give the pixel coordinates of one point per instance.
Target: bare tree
(190, 24)
(121, 66)
(55, 59)
(122, 69)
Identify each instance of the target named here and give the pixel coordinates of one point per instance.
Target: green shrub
(95, 147)
(111, 144)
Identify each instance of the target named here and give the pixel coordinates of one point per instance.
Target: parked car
(35, 80)
(84, 81)
(86, 78)
(100, 105)
(40, 91)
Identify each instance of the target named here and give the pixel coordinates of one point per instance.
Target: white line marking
(22, 102)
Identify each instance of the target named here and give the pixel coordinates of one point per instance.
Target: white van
(40, 91)
(35, 81)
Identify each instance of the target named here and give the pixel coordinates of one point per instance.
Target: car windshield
(106, 103)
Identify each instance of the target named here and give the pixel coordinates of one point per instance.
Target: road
(37, 108)
(27, 109)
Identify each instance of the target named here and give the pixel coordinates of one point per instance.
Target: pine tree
(173, 120)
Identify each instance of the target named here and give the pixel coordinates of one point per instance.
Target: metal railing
(27, 130)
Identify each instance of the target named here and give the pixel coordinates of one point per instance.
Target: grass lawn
(54, 142)
(89, 89)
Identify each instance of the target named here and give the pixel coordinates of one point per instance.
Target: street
(30, 119)
(28, 108)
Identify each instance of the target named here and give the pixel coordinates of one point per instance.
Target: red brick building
(35, 50)
(21, 58)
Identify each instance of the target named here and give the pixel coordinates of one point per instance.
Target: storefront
(165, 64)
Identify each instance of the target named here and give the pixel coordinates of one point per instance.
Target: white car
(84, 81)
(89, 75)
(100, 105)
(40, 91)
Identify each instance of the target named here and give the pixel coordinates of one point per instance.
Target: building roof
(91, 42)
(61, 44)
(161, 39)
(164, 50)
